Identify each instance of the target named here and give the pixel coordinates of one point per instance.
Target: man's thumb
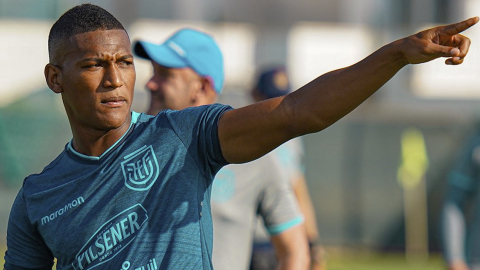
(454, 52)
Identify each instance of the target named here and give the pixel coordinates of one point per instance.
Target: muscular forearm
(250, 132)
(333, 95)
(312, 108)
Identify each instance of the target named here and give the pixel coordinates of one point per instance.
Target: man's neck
(94, 142)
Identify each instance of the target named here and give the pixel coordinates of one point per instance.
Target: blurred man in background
(240, 192)
(461, 235)
(274, 82)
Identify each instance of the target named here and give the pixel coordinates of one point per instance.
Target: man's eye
(93, 65)
(125, 63)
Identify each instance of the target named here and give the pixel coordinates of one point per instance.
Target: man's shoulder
(215, 108)
(50, 171)
(188, 114)
(54, 164)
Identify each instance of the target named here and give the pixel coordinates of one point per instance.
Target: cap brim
(161, 54)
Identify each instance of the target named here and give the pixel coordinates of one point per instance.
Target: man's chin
(115, 120)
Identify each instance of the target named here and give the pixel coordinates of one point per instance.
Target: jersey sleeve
(278, 206)
(197, 127)
(25, 247)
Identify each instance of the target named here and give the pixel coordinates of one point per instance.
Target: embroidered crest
(140, 169)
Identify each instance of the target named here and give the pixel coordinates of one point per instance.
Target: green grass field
(370, 261)
(382, 261)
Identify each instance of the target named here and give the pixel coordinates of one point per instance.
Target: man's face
(172, 88)
(97, 79)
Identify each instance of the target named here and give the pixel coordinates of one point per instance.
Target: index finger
(453, 29)
(463, 45)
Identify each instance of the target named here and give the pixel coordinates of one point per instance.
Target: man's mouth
(114, 101)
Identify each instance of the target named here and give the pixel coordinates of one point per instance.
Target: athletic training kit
(143, 204)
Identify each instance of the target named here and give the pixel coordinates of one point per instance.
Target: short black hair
(77, 20)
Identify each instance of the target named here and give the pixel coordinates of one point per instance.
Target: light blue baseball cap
(187, 48)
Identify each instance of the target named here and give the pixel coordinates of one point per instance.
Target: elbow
(307, 122)
(303, 121)
(310, 124)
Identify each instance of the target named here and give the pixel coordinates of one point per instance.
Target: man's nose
(152, 85)
(155, 84)
(113, 77)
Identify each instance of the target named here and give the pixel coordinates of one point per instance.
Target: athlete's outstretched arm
(252, 131)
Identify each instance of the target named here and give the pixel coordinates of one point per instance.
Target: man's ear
(208, 90)
(204, 94)
(53, 76)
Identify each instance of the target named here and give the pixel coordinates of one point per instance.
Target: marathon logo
(62, 210)
(140, 169)
(111, 238)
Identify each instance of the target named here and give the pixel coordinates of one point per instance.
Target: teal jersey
(143, 204)
(461, 228)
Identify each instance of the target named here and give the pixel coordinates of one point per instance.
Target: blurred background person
(273, 82)
(188, 71)
(461, 209)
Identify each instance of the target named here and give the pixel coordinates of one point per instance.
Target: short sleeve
(278, 206)
(25, 247)
(197, 128)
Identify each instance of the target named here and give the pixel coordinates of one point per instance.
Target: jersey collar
(135, 117)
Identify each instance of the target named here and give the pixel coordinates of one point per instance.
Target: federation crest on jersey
(140, 169)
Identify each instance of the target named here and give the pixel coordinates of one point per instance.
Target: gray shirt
(240, 193)
(290, 155)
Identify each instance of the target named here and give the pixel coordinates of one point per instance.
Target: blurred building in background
(351, 167)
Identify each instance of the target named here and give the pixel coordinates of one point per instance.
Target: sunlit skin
(88, 83)
(95, 75)
(328, 98)
(173, 88)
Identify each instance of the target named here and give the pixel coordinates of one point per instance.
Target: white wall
(24, 53)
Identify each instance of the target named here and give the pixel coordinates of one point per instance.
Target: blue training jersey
(143, 204)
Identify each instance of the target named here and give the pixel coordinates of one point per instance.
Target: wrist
(397, 51)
